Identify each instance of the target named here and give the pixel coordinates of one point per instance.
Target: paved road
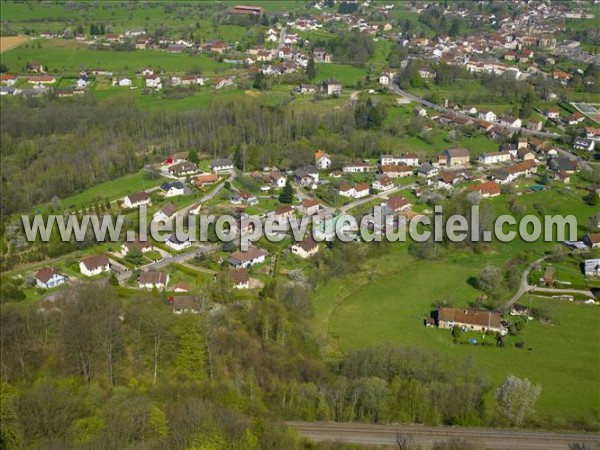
(396, 89)
(425, 436)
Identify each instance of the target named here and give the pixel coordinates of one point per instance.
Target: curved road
(427, 436)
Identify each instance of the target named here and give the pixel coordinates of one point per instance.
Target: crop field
(9, 42)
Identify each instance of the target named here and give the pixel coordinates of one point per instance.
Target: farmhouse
(47, 278)
(94, 265)
(305, 248)
(487, 190)
(136, 199)
(470, 319)
(153, 279)
(252, 256)
(173, 189)
(221, 165)
(454, 157)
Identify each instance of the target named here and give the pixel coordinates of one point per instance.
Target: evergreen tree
(193, 157)
(287, 194)
(454, 28)
(311, 69)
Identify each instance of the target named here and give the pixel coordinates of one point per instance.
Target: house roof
(240, 276)
(181, 286)
(397, 202)
(395, 168)
(207, 178)
(181, 302)
(489, 188)
(95, 261)
(361, 187)
(153, 277)
(284, 210)
(594, 238)
(310, 203)
(458, 152)
(221, 163)
(307, 244)
(470, 317)
(169, 209)
(137, 244)
(174, 185)
(426, 168)
(46, 273)
(138, 197)
(249, 255)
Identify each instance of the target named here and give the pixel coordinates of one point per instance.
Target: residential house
(470, 319)
(143, 246)
(245, 259)
(426, 170)
(177, 244)
(125, 82)
(511, 173)
(361, 190)
(244, 197)
(94, 265)
(495, 157)
(309, 207)
(524, 154)
(306, 176)
(552, 113)
(420, 111)
(447, 180)
(305, 248)
(152, 279)
(153, 81)
(383, 184)
(331, 87)
(397, 204)
(563, 164)
(304, 89)
(488, 189)
(221, 165)
(221, 82)
(240, 278)
(409, 159)
(182, 169)
(345, 190)
(393, 171)
(535, 125)
(321, 55)
(206, 179)
(510, 121)
(386, 78)
(592, 240)
(173, 189)
(136, 199)
(281, 215)
(488, 116)
(584, 144)
(469, 110)
(454, 157)
(358, 167)
(591, 267)
(184, 304)
(276, 179)
(322, 160)
(165, 214)
(574, 119)
(48, 277)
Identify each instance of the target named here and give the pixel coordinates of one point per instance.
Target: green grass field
(69, 56)
(112, 190)
(345, 74)
(360, 312)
